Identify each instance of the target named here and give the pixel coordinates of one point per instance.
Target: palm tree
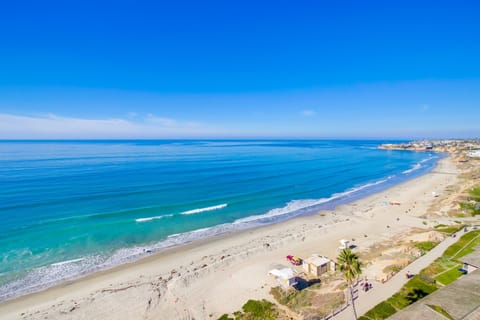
(351, 268)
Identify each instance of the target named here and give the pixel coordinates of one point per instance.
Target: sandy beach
(207, 278)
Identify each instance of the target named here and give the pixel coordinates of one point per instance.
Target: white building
(286, 277)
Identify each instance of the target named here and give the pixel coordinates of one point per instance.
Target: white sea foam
(72, 269)
(153, 218)
(67, 262)
(412, 169)
(296, 205)
(194, 211)
(418, 165)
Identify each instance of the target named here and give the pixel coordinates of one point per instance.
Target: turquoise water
(69, 208)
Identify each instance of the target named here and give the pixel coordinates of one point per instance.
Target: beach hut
(344, 244)
(286, 276)
(318, 265)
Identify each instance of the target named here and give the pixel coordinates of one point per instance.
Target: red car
(294, 260)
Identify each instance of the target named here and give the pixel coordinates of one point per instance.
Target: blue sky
(223, 69)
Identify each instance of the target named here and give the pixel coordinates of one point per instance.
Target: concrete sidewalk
(383, 291)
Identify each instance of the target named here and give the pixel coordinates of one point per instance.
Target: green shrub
(425, 245)
(255, 309)
(475, 194)
(225, 317)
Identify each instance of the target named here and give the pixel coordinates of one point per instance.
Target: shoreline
(145, 251)
(194, 262)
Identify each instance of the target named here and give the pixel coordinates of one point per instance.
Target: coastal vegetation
(415, 289)
(472, 204)
(425, 245)
(254, 310)
(311, 302)
(442, 271)
(448, 229)
(351, 267)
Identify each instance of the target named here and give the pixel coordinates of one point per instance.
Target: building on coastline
(286, 277)
(317, 265)
(474, 154)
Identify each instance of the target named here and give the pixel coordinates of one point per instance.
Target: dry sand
(207, 278)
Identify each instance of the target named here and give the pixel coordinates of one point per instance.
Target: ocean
(70, 208)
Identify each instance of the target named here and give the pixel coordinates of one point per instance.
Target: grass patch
(441, 225)
(425, 245)
(441, 311)
(450, 276)
(414, 290)
(454, 250)
(438, 266)
(420, 283)
(398, 301)
(449, 229)
(381, 311)
(444, 268)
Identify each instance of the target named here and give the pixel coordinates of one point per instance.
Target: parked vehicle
(294, 260)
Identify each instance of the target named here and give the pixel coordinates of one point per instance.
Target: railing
(347, 304)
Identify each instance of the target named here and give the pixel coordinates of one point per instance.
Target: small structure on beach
(286, 276)
(344, 244)
(318, 265)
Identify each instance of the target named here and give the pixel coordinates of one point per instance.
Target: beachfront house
(286, 277)
(317, 265)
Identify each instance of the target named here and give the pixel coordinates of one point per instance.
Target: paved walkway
(383, 291)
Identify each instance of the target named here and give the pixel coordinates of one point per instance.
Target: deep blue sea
(69, 208)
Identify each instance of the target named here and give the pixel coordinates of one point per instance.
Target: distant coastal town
(456, 148)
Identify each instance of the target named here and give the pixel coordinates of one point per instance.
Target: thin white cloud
(309, 113)
(57, 127)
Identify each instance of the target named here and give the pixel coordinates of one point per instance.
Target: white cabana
(345, 244)
(286, 276)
